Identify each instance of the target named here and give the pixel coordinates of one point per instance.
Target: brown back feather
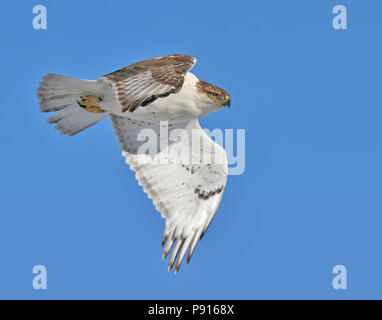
(159, 76)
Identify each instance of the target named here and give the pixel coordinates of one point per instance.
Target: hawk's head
(214, 94)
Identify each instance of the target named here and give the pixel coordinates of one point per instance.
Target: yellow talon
(90, 104)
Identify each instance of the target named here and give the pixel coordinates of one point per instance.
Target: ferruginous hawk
(148, 95)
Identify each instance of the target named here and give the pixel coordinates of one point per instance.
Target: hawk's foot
(90, 104)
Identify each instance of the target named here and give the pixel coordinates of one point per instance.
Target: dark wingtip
(164, 240)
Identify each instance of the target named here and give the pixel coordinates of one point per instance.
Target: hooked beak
(228, 102)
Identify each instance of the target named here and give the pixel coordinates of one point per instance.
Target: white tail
(60, 93)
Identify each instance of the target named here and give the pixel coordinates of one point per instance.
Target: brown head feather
(211, 91)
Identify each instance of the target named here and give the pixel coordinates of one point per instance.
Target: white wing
(185, 179)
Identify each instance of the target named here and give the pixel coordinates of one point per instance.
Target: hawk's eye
(216, 95)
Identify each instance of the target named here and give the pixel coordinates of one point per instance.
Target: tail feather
(60, 93)
(72, 119)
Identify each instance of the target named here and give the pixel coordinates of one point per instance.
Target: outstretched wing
(185, 178)
(142, 83)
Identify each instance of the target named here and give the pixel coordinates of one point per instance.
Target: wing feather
(143, 82)
(187, 193)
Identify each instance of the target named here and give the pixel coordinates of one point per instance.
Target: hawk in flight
(149, 95)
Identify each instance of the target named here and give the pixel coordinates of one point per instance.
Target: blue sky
(309, 98)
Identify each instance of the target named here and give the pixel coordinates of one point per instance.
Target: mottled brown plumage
(213, 92)
(143, 82)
